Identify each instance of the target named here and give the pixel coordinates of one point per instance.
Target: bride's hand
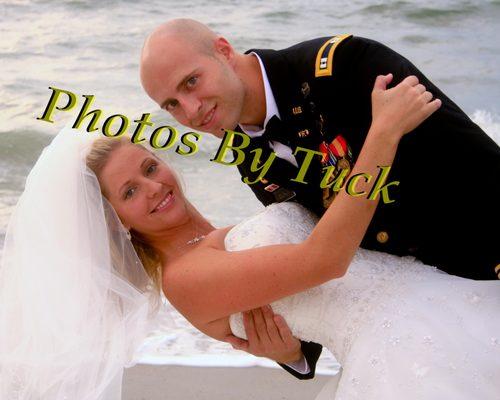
(401, 109)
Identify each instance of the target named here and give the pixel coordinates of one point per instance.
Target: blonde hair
(96, 159)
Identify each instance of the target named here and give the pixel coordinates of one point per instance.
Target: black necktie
(276, 130)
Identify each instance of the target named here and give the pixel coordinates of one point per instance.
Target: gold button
(382, 237)
(497, 269)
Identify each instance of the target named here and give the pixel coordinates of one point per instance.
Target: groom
(317, 95)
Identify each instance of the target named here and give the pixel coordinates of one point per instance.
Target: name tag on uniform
(271, 188)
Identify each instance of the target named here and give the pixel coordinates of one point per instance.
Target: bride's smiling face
(143, 190)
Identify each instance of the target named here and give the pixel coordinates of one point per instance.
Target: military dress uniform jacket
(448, 168)
(446, 204)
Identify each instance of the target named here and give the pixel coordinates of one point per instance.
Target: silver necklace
(196, 239)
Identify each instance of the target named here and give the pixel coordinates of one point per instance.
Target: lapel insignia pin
(297, 110)
(303, 133)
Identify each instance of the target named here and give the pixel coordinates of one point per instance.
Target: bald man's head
(165, 40)
(191, 72)
(190, 32)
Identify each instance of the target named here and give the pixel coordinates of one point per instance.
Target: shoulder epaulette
(324, 58)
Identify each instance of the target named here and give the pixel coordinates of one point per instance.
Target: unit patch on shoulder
(324, 58)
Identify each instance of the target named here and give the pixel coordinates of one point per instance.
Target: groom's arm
(305, 368)
(269, 336)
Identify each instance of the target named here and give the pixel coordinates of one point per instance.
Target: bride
(75, 301)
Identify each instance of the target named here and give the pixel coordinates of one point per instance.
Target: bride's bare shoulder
(215, 239)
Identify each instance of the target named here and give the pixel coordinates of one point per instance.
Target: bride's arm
(213, 283)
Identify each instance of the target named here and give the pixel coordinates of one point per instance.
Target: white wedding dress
(399, 328)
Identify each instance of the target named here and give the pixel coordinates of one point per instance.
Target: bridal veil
(75, 301)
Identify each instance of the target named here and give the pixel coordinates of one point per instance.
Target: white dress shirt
(282, 151)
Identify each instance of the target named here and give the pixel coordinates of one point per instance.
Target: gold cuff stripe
(324, 58)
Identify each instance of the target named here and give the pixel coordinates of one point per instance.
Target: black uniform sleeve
(361, 60)
(311, 352)
(364, 59)
(433, 149)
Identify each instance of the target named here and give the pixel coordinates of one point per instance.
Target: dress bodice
(376, 294)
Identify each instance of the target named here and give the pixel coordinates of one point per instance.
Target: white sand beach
(163, 382)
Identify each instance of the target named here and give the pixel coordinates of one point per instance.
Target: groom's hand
(268, 336)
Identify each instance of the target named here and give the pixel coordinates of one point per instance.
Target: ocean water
(93, 47)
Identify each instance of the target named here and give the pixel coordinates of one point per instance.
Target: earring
(129, 236)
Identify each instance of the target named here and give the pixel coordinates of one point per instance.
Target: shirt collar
(271, 106)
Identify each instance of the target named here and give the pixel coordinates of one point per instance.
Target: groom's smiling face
(197, 85)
